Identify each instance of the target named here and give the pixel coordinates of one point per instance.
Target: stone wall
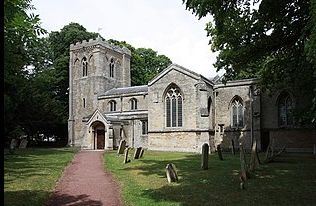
(84, 90)
(178, 141)
(224, 95)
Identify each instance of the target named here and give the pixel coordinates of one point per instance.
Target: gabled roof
(182, 70)
(126, 90)
(93, 117)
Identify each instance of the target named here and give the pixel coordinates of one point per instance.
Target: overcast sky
(163, 25)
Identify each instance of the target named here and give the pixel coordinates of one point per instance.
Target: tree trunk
(254, 159)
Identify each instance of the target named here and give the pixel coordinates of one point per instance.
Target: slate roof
(126, 90)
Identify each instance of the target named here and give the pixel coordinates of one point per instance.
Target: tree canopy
(36, 72)
(273, 41)
(21, 38)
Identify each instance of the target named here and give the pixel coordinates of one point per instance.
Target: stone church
(178, 110)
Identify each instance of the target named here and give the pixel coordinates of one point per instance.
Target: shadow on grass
(34, 162)
(36, 197)
(273, 184)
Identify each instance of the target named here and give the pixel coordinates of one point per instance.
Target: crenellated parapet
(97, 43)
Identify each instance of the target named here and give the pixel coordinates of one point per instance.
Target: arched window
(133, 103)
(111, 67)
(112, 105)
(285, 109)
(237, 113)
(173, 107)
(84, 67)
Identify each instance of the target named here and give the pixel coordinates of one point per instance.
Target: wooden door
(100, 139)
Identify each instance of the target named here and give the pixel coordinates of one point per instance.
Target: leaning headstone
(171, 173)
(233, 147)
(141, 153)
(204, 160)
(121, 147)
(13, 145)
(219, 152)
(23, 144)
(126, 160)
(137, 152)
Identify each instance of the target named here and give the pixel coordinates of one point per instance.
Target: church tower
(95, 67)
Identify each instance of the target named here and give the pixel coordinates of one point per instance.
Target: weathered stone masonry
(179, 110)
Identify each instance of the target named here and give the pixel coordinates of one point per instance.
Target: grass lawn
(31, 174)
(290, 180)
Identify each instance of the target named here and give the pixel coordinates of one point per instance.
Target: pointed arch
(90, 57)
(285, 106)
(173, 98)
(84, 66)
(236, 112)
(112, 67)
(76, 61)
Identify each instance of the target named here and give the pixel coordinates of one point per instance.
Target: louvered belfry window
(174, 102)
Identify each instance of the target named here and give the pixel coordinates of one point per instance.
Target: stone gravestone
(126, 160)
(137, 152)
(121, 147)
(141, 153)
(23, 144)
(171, 173)
(219, 151)
(233, 147)
(204, 160)
(13, 145)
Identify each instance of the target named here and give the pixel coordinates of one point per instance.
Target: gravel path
(85, 182)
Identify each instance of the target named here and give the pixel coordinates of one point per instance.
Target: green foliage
(59, 42)
(30, 175)
(21, 31)
(144, 181)
(145, 63)
(270, 40)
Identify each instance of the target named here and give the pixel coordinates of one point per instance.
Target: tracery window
(237, 113)
(174, 102)
(133, 103)
(111, 67)
(112, 105)
(84, 67)
(285, 109)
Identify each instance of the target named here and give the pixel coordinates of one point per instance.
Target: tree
(145, 63)
(21, 35)
(59, 43)
(270, 40)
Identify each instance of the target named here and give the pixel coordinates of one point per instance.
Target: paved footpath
(85, 182)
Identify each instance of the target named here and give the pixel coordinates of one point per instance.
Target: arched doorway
(98, 130)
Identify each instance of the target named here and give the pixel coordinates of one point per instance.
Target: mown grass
(290, 180)
(31, 174)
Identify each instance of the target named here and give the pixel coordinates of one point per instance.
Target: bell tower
(95, 66)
